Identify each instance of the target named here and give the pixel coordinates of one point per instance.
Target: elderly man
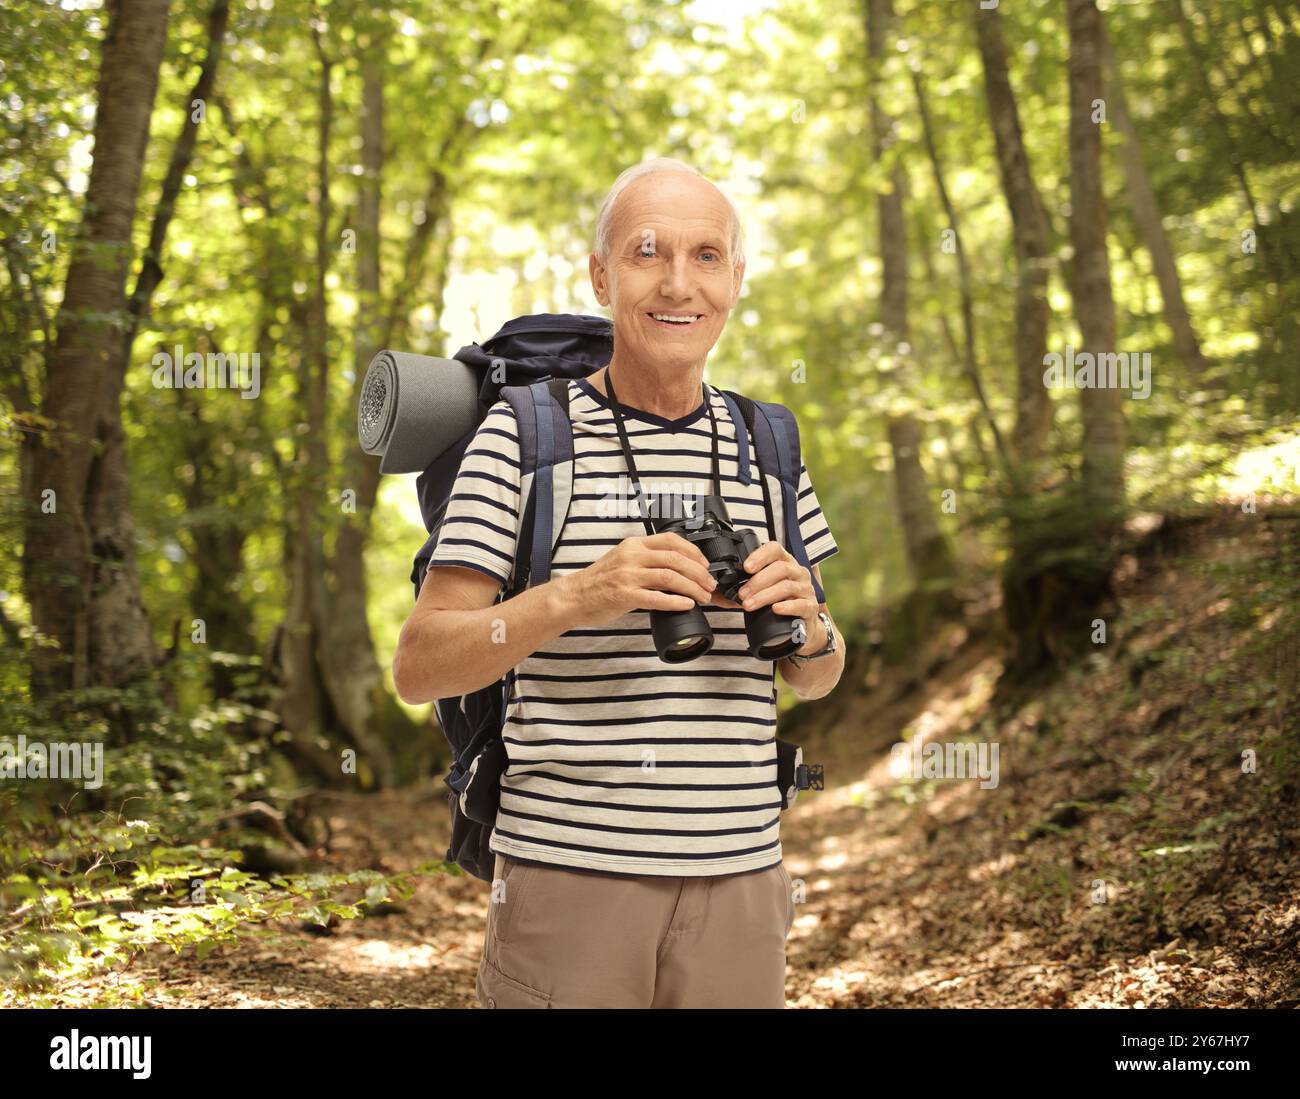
(638, 852)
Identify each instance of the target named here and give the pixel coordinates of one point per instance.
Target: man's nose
(677, 281)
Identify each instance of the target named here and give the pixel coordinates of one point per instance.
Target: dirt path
(1123, 859)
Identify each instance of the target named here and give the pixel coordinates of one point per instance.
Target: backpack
(539, 355)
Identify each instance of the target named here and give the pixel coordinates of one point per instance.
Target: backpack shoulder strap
(775, 433)
(741, 422)
(559, 460)
(546, 475)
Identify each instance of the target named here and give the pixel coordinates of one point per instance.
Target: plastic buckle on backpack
(810, 776)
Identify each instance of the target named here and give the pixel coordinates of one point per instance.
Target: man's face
(670, 254)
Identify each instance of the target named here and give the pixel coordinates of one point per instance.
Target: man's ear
(597, 272)
(737, 278)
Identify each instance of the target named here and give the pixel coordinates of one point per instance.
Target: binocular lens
(680, 636)
(772, 636)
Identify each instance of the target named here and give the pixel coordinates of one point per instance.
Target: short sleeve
(481, 525)
(813, 527)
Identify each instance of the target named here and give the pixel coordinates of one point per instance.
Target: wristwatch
(830, 642)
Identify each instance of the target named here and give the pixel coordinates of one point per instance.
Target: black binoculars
(680, 636)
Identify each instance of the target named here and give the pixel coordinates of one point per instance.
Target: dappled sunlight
(1031, 896)
(991, 312)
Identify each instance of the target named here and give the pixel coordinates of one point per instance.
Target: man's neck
(671, 393)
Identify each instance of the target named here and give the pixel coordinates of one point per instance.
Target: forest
(1027, 272)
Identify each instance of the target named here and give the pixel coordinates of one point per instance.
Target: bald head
(660, 169)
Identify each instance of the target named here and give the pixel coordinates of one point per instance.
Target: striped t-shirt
(620, 762)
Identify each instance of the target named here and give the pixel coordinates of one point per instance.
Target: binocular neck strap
(627, 449)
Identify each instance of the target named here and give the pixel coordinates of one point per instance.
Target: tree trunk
(333, 683)
(302, 706)
(348, 666)
(118, 655)
(79, 569)
(1101, 405)
(151, 272)
(1146, 214)
(216, 543)
(928, 552)
(976, 419)
(25, 314)
(349, 669)
(1032, 233)
(1058, 569)
(1030, 590)
(969, 358)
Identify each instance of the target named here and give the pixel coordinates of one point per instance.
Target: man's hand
(779, 581)
(660, 572)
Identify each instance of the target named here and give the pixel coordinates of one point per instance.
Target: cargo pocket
(496, 989)
(788, 884)
(505, 916)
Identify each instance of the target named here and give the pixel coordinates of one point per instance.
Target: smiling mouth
(674, 320)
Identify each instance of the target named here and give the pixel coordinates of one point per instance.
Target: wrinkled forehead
(675, 207)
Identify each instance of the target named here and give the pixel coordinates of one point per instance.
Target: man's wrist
(820, 638)
(816, 637)
(564, 602)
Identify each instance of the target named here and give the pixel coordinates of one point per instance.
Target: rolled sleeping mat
(413, 407)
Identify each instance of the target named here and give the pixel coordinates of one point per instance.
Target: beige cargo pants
(565, 938)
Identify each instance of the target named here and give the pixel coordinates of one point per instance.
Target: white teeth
(676, 320)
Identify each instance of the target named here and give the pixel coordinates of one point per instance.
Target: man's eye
(709, 253)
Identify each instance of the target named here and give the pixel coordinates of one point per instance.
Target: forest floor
(1124, 858)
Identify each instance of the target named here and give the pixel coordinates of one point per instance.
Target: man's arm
(458, 639)
(818, 677)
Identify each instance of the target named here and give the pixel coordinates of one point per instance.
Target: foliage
(93, 874)
(82, 893)
(506, 120)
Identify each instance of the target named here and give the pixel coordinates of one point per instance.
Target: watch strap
(826, 649)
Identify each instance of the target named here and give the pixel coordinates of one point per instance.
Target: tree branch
(151, 272)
